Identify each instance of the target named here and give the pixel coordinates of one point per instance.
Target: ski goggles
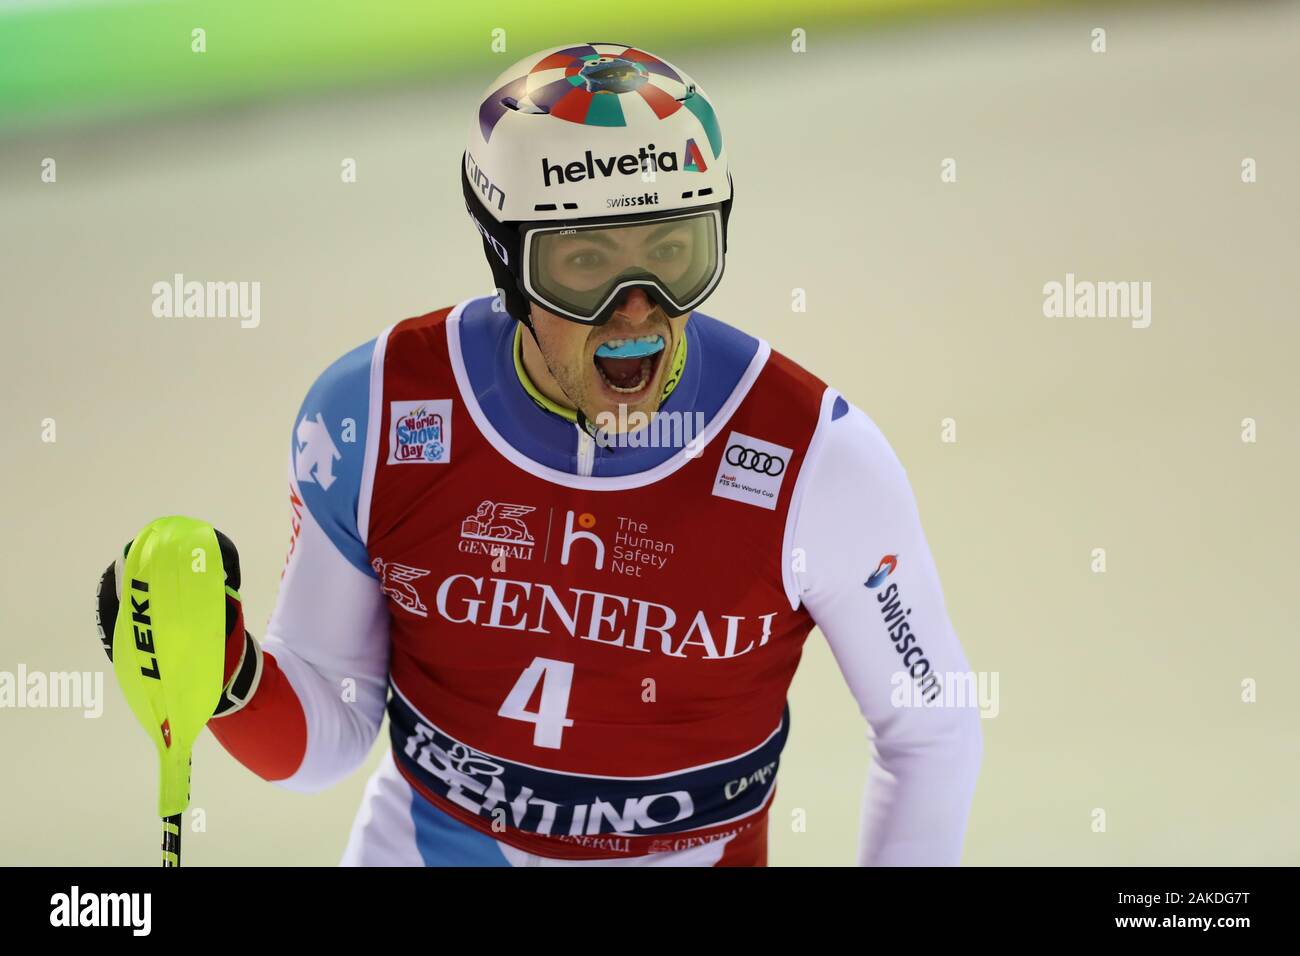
(580, 270)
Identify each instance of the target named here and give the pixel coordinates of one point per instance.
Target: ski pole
(168, 650)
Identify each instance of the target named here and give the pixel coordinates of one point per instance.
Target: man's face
(600, 383)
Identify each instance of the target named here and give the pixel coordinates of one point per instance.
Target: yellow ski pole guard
(169, 643)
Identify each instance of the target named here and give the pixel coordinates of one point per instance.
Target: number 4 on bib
(549, 720)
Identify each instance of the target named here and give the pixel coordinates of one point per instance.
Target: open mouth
(627, 365)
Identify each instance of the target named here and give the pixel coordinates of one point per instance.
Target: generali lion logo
(395, 581)
(498, 528)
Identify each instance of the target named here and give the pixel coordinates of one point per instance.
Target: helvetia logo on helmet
(629, 164)
(694, 159)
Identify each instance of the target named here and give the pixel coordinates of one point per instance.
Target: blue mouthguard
(631, 349)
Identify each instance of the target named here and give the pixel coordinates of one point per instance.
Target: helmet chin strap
(582, 420)
(526, 320)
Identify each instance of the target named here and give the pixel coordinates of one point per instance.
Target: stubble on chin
(582, 386)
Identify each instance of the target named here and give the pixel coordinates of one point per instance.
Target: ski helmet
(594, 168)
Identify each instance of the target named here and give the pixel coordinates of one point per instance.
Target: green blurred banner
(72, 61)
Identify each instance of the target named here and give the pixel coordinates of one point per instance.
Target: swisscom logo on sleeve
(420, 432)
(751, 470)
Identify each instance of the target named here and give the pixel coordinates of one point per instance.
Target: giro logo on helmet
(758, 461)
(483, 184)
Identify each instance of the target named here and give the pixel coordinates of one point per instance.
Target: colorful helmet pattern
(588, 131)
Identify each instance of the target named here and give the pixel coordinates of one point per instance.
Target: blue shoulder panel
(329, 449)
(723, 354)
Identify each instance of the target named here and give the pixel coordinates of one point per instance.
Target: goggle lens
(576, 270)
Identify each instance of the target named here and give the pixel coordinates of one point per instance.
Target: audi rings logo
(758, 461)
(751, 470)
